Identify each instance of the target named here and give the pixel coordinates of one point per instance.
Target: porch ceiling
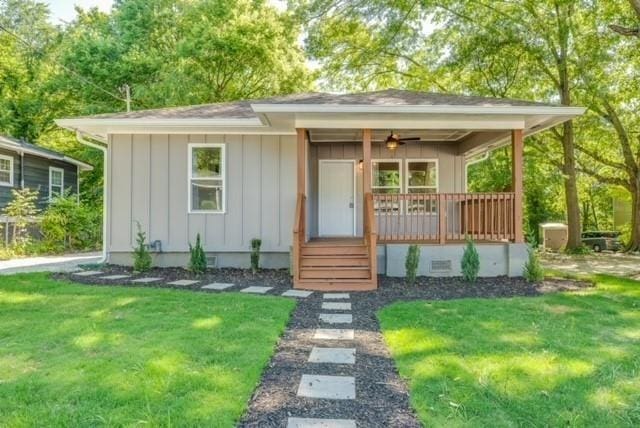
(380, 135)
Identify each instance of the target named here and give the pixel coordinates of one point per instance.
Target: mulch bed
(382, 397)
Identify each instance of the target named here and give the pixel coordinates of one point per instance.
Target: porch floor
(325, 241)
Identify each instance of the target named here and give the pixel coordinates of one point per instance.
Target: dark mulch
(382, 397)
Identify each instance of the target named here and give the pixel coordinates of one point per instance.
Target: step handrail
(371, 236)
(298, 234)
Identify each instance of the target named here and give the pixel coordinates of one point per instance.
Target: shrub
(579, 251)
(141, 255)
(470, 263)
(533, 271)
(69, 225)
(22, 209)
(198, 259)
(411, 263)
(255, 255)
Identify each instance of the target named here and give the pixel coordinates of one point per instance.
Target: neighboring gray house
(336, 186)
(27, 165)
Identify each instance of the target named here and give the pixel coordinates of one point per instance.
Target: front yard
(566, 359)
(74, 355)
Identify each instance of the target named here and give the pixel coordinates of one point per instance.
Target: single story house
(25, 165)
(335, 185)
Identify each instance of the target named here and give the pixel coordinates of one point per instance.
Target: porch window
(422, 177)
(387, 178)
(56, 182)
(206, 178)
(6, 170)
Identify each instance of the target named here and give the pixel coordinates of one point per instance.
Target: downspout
(103, 149)
(22, 170)
(482, 158)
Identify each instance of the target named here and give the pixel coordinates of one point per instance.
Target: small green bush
(69, 225)
(411, 263)
(198, 259)
(470, 264)
(579, 251)
(255, 255)
(141, 256)
(23, 210)
(533, 271)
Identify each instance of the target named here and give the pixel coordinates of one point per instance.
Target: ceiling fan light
(392, 144)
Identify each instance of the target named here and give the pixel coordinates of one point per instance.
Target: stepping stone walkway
(326, 377)
(217, 286)
(297, 293)
(183, 282)
(146, 280)
(256, 290)
(336, 306)
(115, 277)
(88, 273)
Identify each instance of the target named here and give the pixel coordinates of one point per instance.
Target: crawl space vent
(212, 261)
(440, 265)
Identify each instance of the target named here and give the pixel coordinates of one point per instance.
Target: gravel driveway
(619, 264)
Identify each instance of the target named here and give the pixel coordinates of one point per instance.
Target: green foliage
(142, 260)
(255, 255)
(582, 250)
(470, 263)
(533, 271)
(69, 225)
(22, 209)
(198, 258)
(411, 263)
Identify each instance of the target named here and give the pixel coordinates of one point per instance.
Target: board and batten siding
(149, 181)
(450, 169)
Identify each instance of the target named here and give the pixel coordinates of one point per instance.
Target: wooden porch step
(335, 261)
(335, 285)
(333, 250)
(335, 272)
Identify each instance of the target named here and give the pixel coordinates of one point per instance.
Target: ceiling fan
(393, 140)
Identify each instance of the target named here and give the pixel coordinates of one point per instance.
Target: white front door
(336, 198)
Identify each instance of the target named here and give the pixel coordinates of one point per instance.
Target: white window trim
(61, 171)
(11, 166)
(223, 176)
(406, 183)
(400, 171)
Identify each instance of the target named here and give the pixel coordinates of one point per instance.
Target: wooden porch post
(366, 161)
(302, 160)
(517, 149)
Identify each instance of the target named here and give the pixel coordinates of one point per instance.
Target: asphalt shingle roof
(390, 97)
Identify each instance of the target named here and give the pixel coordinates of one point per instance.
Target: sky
(64, 10)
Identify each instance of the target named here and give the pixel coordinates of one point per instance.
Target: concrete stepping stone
(320, 423)
(115, 277)
(256, 290)
(183, 282)
(297, 293)
(333, 355)
(146, 280)
(336, 296)
(336, 318)
(88, 273)
(337, 306)
(217, 286)
(334, 334)
(328, 387)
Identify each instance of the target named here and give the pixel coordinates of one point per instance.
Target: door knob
(350, 204)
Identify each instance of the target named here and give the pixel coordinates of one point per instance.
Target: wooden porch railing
(370, 236)
(299, 233)
(439, 217)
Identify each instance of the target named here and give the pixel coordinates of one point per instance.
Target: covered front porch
(359, 189)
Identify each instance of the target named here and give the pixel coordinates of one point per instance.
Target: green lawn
(556, 360)
(74, 355)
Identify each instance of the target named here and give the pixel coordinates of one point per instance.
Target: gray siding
(450, 169)
(148, 182)
(36, 176)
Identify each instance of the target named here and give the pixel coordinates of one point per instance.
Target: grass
(567, 359)
(74, 355)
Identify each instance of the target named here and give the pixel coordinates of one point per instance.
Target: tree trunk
(634, 241)
(571, 188)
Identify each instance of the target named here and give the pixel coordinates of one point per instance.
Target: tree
(530, 43)
(629, 31)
